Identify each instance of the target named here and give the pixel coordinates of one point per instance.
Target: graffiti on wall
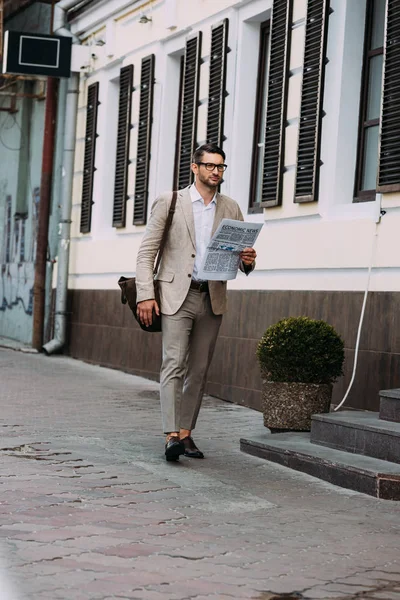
(17, 259)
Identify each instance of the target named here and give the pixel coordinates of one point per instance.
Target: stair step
(390, 405)
(358, 432)
(364, 474)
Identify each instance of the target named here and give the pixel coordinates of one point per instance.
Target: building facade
(22, 117)
(303, 97)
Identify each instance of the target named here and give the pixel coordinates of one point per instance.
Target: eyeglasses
(212, 166)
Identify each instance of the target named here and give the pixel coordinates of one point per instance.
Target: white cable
(373, 249)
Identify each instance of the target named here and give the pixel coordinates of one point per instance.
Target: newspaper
(222, 259)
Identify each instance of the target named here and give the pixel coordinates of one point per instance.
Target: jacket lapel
(219, 213)
(187, 209)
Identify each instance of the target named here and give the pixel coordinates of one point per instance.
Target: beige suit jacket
(179, 254)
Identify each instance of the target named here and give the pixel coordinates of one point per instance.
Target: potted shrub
(300, 358)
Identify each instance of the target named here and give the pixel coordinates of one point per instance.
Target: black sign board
(33, 54)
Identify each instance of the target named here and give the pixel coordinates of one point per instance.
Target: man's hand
(248, 256)
(144, 311)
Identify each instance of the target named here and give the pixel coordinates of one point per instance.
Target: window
(370, 106)
(217, 85)
(26, 108)
(389, 148)
(144, 141)
(277, 93)
(259, 122)
(8, 229)
(179, 121)
(122, 153)
(190, 101)
(89, 157)
(312, 93)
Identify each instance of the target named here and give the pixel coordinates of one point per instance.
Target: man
(191, 309)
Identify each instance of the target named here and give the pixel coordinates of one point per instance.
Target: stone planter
(289, 406)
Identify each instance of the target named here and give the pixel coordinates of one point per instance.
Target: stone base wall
(103, 331)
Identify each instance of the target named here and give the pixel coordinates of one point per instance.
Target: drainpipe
(39, 285)
(57, 343)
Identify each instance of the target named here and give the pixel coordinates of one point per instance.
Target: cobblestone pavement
(89, 509)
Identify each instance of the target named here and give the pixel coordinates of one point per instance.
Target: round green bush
(302, 350)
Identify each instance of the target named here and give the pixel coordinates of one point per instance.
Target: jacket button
(193, 256)
(189, 275)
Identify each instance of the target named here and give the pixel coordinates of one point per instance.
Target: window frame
(359, 194)
(259, 116)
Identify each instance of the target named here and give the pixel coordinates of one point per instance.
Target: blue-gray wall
(21, 143)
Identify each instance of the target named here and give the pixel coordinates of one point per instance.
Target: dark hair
(210, 149)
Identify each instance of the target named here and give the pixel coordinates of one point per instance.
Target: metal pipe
(39, 284)
(58, 341)
(55, 212)
(60, 19)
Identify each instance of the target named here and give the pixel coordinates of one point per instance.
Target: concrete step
(371, 476)
(390, 405)
(359, 432)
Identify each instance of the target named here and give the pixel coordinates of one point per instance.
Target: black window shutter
(123, 137)
(188, 130)
(312, 92)
(89, 157)
(274, 142)
(144, 140)
(217, 87)
(178, 121)
(389, 146)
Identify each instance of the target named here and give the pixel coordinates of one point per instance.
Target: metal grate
(309, 144)
(8, 229)
(389, 147)
(89, 157)
(123, 138)
(217, 86)
(190, 101)
(144, 140)
(274, 142)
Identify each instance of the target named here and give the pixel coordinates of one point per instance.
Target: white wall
(324, 245)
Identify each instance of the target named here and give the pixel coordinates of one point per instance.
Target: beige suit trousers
(189, 338)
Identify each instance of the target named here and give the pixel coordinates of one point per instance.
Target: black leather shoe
(191, 450)
(174, 448)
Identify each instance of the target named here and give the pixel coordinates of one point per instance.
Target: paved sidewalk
(89, 509)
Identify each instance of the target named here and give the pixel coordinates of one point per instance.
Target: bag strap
(167, 227)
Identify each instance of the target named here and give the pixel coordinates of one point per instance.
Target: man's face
(204, 172)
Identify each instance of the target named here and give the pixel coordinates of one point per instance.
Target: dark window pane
(37, 51)
(370, 158)
(378, 24)
(374, 87)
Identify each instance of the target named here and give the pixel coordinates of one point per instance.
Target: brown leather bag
(128, 284)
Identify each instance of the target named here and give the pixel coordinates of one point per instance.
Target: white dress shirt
(203, 223)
